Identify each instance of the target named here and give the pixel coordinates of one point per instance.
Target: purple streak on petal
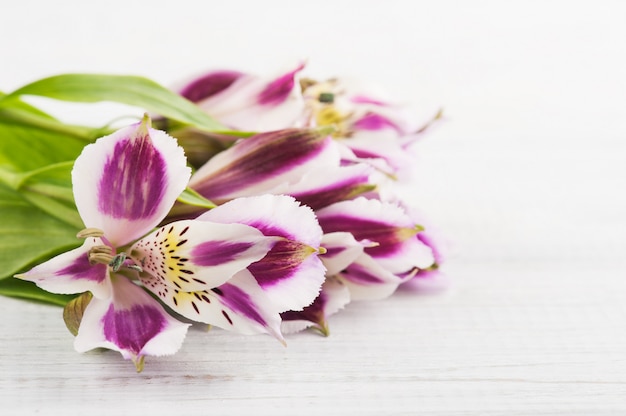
(212, 253)
(373, 121)
(278, 90)
(261, 157)
(312, 313)
(281, 262)
(134, 179)
(132, 329)
(239, 301)
(82, 269)
(335, 192)
(387, 236)
(333, 251)
(360, 275)
(362, 99)
(209, 85)
(270, 230)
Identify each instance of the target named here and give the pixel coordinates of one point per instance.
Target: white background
(525, 176)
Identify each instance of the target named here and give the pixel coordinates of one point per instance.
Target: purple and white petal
(260, 163)
(380, 222)
(291, 273)
(253, 103)
(192, 255)
(71, 272)
(341, 250)
(333, 297)
(125, 183)
(324, 186)
(368, 280)
(208, 85)
(239, 305)
(130, 322)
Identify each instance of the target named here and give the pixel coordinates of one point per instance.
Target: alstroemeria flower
(370, 125)
(390, 252)
(289, 275)
(303, 163)
(249, 102)
(124, 185)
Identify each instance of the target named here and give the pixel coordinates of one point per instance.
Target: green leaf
(28, 234)
(27, 290)
(132, 90)
(48, 188)
(25, 147)
(191, 197)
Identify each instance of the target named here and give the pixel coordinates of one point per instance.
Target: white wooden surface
(526, 178)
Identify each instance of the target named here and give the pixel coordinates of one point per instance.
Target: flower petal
(130, 322)
(254, 103)
(193, 255)
(260, 163)
(71, 272)
(341, 250)
(333, 297)
(368, 280)
(290, 274)
(239, 305)
(381, 222)
(324, 186)
(125, 183)
(209, 84)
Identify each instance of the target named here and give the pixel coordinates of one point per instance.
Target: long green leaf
(26, 147)
(27, 290)
(29, 235)
(132, 90)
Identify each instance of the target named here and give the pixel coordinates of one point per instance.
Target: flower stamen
(90, 232)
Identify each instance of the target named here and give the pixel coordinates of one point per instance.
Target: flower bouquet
(254, 204)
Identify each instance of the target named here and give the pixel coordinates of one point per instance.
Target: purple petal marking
(335, 192)
(132, 329)
(334, 251)
(278, 90)
(212, 253)
(389, 238)
(360, 275)
(134, 180)
(362, 99)
(373, 121)
(261, 157)
(312, 313)
(209, 85)
(82, 269)
(281, 262)
(239, 301)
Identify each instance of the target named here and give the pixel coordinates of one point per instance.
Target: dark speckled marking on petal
(240, 302)
(132, 329)
(134, 179)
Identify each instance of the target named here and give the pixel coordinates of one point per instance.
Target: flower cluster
(304, 220)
